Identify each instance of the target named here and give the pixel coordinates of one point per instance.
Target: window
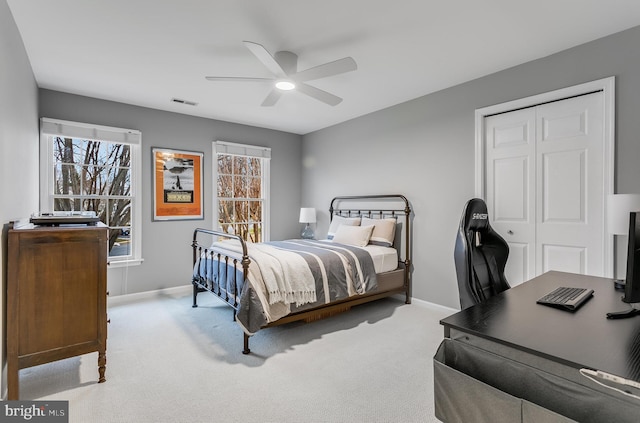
(242, 197)
(89, 168)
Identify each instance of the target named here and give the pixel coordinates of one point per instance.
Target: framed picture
(177, 184)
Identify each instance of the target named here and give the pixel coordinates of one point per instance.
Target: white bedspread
(286, 275)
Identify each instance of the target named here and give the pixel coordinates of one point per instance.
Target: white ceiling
(147, 52)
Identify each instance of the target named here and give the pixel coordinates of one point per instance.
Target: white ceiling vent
(188, 103)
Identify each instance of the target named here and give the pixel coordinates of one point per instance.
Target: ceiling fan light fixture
(285, 85)
(284, 68)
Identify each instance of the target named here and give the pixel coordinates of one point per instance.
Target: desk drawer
(473, 385)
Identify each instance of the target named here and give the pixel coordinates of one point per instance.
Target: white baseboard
(427, 304)
(178, 291)
(423, 303)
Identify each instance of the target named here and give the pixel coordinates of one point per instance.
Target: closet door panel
(570, 192)
(510, 140)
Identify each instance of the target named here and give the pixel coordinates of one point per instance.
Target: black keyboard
(566, 298)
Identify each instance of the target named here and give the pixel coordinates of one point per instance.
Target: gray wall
(18, 145)
(425, 148)
(18, 125)
(165, 244)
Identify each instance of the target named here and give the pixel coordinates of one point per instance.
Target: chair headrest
(475, 216)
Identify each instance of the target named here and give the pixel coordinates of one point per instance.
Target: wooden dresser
(56, 297)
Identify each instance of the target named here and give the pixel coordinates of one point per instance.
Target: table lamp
(618, 208)
(307, 216)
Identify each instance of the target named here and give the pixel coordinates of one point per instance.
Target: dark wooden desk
(511, 359)
(585, 338)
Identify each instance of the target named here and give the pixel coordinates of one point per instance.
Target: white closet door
(545, 189)
(510, 146)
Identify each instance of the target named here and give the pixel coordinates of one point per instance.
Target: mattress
(385, 259)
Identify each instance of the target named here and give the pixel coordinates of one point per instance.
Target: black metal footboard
(223, 273)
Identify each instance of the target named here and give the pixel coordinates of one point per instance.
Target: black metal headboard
(373, 206)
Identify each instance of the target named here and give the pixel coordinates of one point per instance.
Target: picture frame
(177, 184)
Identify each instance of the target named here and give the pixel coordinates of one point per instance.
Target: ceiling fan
(284, 66)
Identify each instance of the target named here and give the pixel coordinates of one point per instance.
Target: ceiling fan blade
(318, 94)
(236, 79)
(272, 98)
(336, 67)
(266, 58)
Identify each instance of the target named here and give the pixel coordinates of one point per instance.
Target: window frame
(50, 128)
(245, 150)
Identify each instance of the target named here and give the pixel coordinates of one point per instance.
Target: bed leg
(246, 349)
(195, 295)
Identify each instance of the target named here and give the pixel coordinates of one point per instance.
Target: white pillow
(339, 220)
(384, 230)
(353, 235)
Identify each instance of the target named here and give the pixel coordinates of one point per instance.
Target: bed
(365, 257)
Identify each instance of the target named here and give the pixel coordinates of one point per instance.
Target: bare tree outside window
(95, 176)
(240, 196)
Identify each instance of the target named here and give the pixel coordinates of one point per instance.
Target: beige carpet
(168, 362)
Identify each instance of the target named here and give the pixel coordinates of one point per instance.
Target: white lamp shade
(618, 208)
(307, 215)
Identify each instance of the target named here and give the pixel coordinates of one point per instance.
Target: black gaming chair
(480, 256)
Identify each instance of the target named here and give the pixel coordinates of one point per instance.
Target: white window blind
(242, 150)
(85, 131)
